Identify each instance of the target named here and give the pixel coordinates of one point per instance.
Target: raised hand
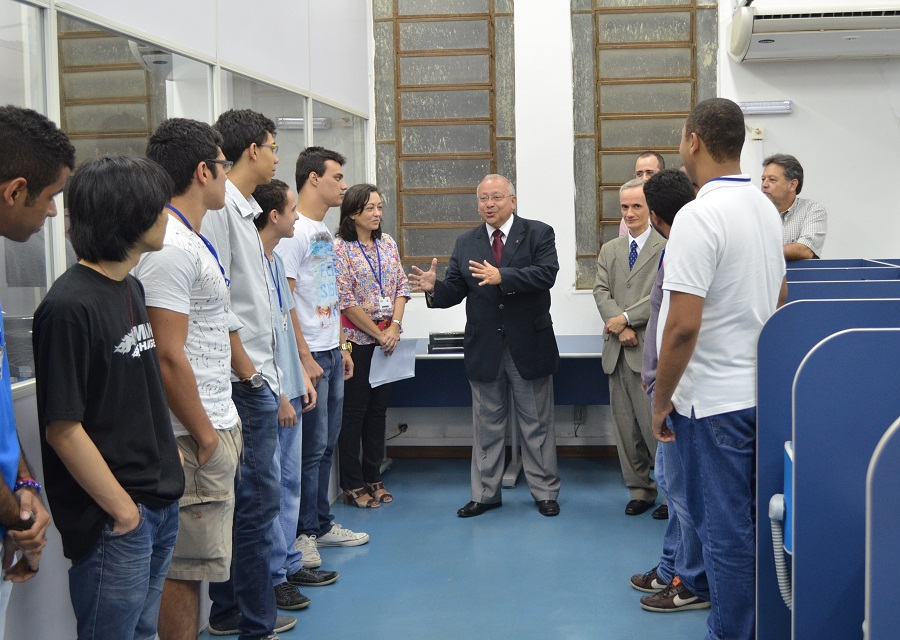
(423, 281)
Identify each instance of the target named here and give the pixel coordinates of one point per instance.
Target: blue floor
(508, 574)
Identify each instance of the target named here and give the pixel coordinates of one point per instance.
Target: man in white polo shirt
(724, 277)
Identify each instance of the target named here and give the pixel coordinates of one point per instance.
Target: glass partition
(23, 270)
(285, 108)
(345, 133)
(115, 91)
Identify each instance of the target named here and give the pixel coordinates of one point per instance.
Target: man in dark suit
(626, 269)
(504, 269)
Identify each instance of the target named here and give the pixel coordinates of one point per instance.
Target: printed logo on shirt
(322, 263)
(139, 339)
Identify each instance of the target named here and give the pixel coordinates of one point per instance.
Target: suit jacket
(517, 311)
(618, 289)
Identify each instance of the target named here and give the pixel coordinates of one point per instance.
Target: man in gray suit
(626, 269)
(504, 269)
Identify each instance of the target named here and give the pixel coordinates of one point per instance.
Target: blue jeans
(321, 428)
(682, 552)
(285, 559)
(672, 538)
(256, 501)
(116, 587)
(720, 451)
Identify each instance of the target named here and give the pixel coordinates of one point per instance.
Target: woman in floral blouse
(372, 292)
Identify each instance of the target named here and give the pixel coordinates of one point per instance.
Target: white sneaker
(309, 551)
(340, 537)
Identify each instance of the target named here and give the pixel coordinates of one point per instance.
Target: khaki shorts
(206, 511)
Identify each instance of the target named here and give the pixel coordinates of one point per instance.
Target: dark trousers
(365, 410)
(257, 497)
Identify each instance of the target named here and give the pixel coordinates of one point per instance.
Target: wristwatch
(254, 382)
(346, 346)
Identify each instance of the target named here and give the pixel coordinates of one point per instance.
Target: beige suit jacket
(618, 288)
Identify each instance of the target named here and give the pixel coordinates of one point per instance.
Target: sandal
(384, 496)
(361, 498)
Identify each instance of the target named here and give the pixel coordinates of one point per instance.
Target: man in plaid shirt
(804, 222)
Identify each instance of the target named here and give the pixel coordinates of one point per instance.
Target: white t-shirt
(185, 278)
(309, 259)
(725, 247)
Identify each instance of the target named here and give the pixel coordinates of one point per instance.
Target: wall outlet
(580, 414)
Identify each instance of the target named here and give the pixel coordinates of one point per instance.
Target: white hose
(776, 516)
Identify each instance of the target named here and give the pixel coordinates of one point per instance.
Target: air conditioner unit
(786, 30)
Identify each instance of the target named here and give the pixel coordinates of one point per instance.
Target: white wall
(845, 131)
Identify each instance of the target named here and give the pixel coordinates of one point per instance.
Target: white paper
(400, 365)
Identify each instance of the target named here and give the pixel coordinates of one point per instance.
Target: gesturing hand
(423, 281)
(486, 272)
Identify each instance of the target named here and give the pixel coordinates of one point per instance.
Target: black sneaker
(675, 597)
(229, 626)
(287, 596)
(312, 578)
(226, 627)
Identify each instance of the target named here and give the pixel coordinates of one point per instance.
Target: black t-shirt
(96, 364)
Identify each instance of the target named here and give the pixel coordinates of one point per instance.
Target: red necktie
(497, 246)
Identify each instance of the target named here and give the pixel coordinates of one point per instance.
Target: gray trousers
(634, 436)
(533, 404)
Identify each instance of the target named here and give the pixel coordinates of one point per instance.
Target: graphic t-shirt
(96, 364)
(185, 278)
(309, 259)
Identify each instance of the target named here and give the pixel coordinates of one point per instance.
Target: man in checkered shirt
(804, 222)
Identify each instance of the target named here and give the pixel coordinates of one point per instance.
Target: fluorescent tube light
(765, 107)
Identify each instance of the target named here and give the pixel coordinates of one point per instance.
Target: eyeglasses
(226, 164)
(649, 173)
(273, 147)
(495, 198)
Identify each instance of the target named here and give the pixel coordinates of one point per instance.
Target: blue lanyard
(208, 244)
(371, 266)
(274, 279)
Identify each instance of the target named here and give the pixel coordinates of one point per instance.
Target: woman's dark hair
(112, 202)
(269, 196)
(355, 200)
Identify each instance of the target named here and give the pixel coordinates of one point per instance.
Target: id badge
(384, 304)
(284, 322)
